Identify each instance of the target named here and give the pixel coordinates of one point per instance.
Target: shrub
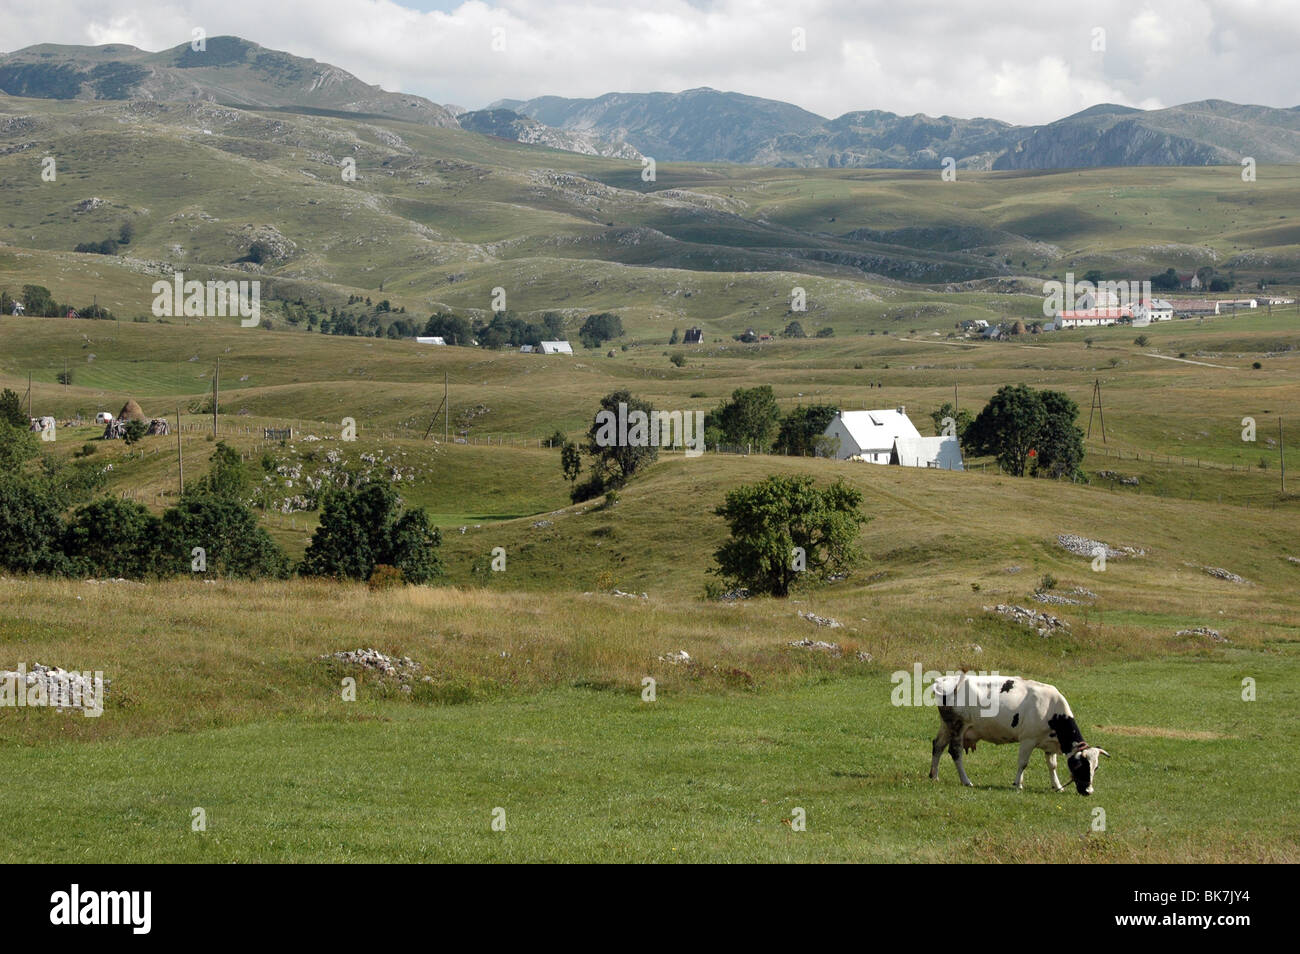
(31, 526)
(227, 531)
(366, 526)
(112, 537)
(678, 359)
(134, 431)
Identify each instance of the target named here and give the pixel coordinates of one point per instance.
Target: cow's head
(1083, 765)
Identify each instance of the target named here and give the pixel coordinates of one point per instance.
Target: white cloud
(1018, 60)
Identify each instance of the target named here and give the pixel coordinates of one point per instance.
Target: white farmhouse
(555, 347)
(870, 435)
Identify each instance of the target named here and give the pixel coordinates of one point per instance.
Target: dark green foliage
(768, 520)
(613, 463)
(1060, 442)
(134, 431)
(1008, 427)
(113, 538)
(453, 329)
(750, 417)
(366, 526)
(42, 81)
(31, 526)
(793, 330)
(12, 410)
(233, 543)
(598, 329)
(17, 446)
(1020, 425)
(801, 428)
(228, 479)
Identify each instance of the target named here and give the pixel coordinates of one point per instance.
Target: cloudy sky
(1020, 60)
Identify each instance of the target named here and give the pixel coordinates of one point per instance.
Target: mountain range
(703, 125)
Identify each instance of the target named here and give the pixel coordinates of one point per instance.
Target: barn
(870, 435)
(555, 347)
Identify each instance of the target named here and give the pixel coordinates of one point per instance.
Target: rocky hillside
(506, 124)
(230, 71)
(705, 124)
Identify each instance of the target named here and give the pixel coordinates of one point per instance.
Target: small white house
(555, 347)
(870, 435)
(103, 417)
(942, 453)
(1157, 309)
(430, 340)
(525, 349)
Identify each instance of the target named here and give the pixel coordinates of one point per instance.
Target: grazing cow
(1001, 709)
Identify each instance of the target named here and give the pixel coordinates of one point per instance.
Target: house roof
(556, 347)
(877, 430)
(430, 340)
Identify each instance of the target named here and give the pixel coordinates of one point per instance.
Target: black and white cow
(1001, 709)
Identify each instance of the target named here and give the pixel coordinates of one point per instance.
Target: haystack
(131, 412)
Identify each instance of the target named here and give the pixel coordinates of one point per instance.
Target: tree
(801, 428)
(827, 332)
(31, 526)
(570, 461)
(962, 420)
(674, 338)
(11, 409)
(38, 302)
(233, 544)
(598, 329)
(1009, 426)
(772, 518)
(1060, 440)
(616, 457)
(679, 360)
(227, 479)
(1167, 281)
(793, 330)
(111, 537)
(750, 417)
(366, 526)
(134, 431)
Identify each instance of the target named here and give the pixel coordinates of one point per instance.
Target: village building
(870, 435)
(432, 340)
(943, 453)
(694, 336)
(555, 347)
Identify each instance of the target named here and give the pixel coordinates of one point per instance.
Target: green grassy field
(220, 697)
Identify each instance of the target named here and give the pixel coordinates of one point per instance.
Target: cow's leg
(952, 725)
(954, 749)
(936, 750)
(1051, 768)
(1026, 749)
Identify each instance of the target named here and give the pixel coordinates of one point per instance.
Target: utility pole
(1096, 406)
(446, 424)
(1281, 453)
(180, 454)
(216, 391)
(29, 394)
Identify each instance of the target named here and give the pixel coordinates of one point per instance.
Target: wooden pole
(180, 455)
(1281, 453)
(446, 426)
(216, 390)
